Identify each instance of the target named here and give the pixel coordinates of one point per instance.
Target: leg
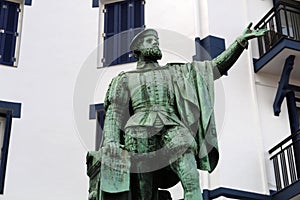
(136, 141)
(182, 145)
(186, 169)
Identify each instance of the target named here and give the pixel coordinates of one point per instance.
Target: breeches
(153, 148)
(144, 139)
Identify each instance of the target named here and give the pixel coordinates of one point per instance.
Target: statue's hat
(134, 45)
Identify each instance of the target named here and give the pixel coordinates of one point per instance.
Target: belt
(155, 108)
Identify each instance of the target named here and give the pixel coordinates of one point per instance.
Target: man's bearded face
(149, 48)
(153, 53)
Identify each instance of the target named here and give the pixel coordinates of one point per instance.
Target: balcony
(281, 40)
(286, 161)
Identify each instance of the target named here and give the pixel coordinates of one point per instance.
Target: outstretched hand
(249, 34)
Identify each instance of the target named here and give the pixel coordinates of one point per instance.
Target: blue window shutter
(136, 20)
(28, 2)
(124, 27)
(9, 17)
(138, 16)
(2, 22)
(4, 151)
(95, 3)
(111, 23)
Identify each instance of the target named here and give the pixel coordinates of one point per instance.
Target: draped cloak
(194, 91)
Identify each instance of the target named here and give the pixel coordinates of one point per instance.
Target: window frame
(8, 110)
(14, 55)
(97, 111)
(116, 34)
(5, 148)
(16, 47)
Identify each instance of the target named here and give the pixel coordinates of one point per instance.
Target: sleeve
(117, 108)
(225, 60)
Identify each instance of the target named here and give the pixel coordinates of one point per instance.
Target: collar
(147, 65)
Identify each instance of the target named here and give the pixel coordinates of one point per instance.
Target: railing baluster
(284, 169)
(291, 164)
(286, 20)
(277, 173)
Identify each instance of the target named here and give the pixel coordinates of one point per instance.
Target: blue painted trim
(4, 152)
(283, 194)
(93, 110)
(95, 4)
(208, 48)
(283, 84)
(28, 2)
(97, 111)
(272, 192)
(288, 192)
(232, 193)
(197, 57)
(15, 108)
(282, 44)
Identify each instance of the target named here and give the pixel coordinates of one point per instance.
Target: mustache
(151, 53)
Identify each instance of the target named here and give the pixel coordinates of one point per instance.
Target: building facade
(57, 60)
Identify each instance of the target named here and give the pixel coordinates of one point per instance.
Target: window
(10, 18)
(5, 126)
(100, 124)
(8, 110)
(97, 112)
(122, 21)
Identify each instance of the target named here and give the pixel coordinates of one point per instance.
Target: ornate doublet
(152, 97)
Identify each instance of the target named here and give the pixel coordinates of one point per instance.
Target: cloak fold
(194, 91)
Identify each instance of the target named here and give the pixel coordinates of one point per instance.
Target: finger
(249, 26)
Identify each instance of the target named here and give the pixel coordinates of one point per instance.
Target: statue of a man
(163, 116)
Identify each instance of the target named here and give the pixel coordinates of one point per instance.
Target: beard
(152, 54)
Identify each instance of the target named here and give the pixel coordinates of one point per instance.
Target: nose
(155, 42)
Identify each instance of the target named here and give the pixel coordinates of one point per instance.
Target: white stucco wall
(58, 59)
(46, 158)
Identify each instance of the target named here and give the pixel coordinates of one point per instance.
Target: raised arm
(225, 60)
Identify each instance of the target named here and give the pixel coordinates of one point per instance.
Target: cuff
(243, 42)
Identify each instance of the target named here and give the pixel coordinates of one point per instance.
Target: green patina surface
(159, 125)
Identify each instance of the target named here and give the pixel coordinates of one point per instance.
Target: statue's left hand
(249, 34)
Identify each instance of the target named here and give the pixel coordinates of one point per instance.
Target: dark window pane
(110, 19)
(1, 15)
(138, 14)
(8, 48)
(298, 109)
(123, 17)
(109, 53)
(12, 17)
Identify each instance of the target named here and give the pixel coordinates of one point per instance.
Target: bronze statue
(160, 121)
